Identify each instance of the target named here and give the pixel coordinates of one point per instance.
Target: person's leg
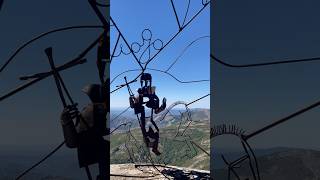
(150, 132)
(103, 161)
(155, 144)
(143, 127)
(143, 123)
(155, 136)
(152, 121)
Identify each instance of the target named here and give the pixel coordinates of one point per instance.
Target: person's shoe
(156, 152)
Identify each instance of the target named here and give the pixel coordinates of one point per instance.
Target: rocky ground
(144, 171)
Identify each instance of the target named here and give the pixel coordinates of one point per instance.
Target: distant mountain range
(174, 152)
(197, 114)
(279, 164)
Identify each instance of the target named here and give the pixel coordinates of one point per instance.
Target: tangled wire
(181, 134)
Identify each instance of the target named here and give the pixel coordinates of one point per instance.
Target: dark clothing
(87, 137)
(91, 148)
(91, 145)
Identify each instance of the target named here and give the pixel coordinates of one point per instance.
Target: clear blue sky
(132, 17)
(260, 31)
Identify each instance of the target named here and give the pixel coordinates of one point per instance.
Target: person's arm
(162, 107)
(68, 128)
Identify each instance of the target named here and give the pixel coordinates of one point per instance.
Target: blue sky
(132, 17)
(33, 114)
(262, 31)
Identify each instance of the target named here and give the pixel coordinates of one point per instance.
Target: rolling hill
(180, 151)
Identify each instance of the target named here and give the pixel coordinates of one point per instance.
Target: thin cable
(75, 61)
(39, 78)
(123, 124)
(184, 50)
(171, 65)
(264, 64)
(114, 49)
(282, 120)
(103, 20)
(124, 85)
(118, 75)
(120, 114)
(124, 39)
(185, 16)
(175, 14)
(198, 99)
(158, 70)
(39, 162)
(174, 36)
(183, 82)
(203, 150)
(43, 35)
